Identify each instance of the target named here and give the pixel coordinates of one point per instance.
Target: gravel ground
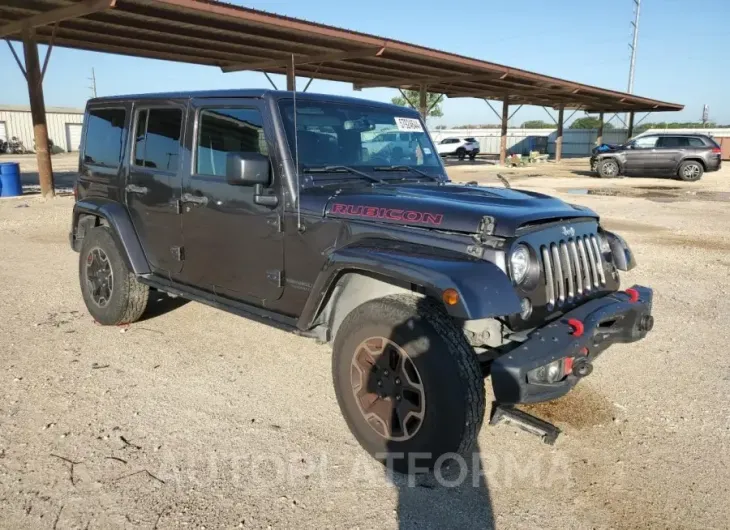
(197, 418)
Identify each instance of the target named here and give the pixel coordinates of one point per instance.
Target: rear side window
(104, 137)
(470, 139)
(673, 141)
(223, 131)
(696, 142)
(157, 139)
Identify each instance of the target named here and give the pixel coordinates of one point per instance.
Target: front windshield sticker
(408, 124)
(426, 151)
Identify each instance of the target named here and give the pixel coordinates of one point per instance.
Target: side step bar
(527, 422)
(232, 306)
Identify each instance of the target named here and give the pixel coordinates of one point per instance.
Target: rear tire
(690, 171)
(111, 291)
(436, 407)
(461, 153)
(608, 168)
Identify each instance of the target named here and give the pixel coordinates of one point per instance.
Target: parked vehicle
(686, 156)
(459, 147)
(271, 208)
(15, 146)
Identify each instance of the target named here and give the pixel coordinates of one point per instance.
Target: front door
(233, 246)
(153, 182)
(641, 157)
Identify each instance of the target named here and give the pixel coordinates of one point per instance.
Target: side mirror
(247, 169)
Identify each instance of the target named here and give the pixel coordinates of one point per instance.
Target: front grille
(572, 269)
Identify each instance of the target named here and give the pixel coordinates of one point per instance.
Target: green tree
(589, 122)
(538, 124)
(414, 97)
(673, 125)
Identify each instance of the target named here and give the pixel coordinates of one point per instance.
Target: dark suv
(275, 208)
(686, 156)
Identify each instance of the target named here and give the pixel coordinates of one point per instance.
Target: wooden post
(503, 137)
(291, 78)
(631, 124)
(423, 102)
(38, 112)
(559, 138)
(599, 140)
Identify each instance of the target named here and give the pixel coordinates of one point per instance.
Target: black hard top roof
(252, 93)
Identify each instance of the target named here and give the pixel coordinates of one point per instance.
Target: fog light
(548, 373)
(553, 372)
(526, 308)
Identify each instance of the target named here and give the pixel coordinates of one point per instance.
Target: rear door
(642, 155)
(233, 246)
(153, 182)
(669, 152)
(104, 139)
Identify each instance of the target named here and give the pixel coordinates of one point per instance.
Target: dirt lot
(200, 419)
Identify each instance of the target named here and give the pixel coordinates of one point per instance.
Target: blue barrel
(10, 185)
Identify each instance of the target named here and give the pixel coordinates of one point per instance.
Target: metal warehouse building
(64, 126)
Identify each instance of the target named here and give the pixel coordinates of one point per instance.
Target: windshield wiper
(406, 168)
(335, 169)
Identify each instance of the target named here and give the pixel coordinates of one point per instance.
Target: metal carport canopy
(236, 38)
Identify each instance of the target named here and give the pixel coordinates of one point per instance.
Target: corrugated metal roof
(49, 110)
(237, 38)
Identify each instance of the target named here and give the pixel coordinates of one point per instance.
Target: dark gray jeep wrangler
(291, 211)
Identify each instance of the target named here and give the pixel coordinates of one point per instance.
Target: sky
(681, 54)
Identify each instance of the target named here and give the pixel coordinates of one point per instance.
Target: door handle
(140, 190)
(195, 199)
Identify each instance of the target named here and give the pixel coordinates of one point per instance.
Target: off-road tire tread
(134, 294)
(468, 366)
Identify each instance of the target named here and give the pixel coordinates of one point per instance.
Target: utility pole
(632, 66)
(93, 82)
(633, 44)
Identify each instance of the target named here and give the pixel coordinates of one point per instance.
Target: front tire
(690, 171)
(407, 382)
(608, 168)
(110, 290)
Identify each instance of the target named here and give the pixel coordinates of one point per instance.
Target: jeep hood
(454, 208)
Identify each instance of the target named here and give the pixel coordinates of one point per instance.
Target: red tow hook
(577, 326)
(633, 295)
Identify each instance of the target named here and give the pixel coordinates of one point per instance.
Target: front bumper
(608, 320)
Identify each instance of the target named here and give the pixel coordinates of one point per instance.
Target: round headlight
(519, 262)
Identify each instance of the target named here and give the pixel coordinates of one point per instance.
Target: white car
(459, 147)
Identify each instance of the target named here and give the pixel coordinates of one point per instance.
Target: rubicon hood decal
(392, 214)
(451, 207)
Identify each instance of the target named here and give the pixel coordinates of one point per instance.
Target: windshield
(357, 136)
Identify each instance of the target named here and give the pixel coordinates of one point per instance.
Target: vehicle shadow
(61, 179)
(160, 303)
(456, 493)
(584, 173)
(453, 499)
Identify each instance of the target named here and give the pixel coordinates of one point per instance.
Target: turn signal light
(450, 297)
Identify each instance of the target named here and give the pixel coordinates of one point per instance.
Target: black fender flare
(484, 289)
(117, 217)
